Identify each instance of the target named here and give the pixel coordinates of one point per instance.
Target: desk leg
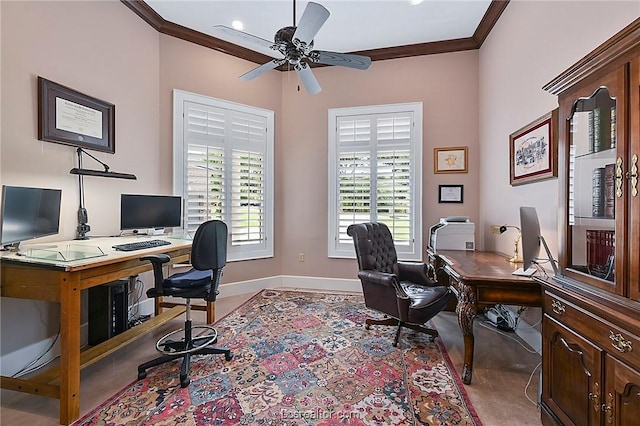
(466, 311)
(70, 353)
(211, 312)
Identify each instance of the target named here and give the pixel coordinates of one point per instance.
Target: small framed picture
(450, 160)
(533, 150)
(450, 193)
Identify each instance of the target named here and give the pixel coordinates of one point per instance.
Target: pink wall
(448, 87)
(193, 68)
(66, 43)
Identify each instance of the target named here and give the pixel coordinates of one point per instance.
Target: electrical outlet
(300, 257)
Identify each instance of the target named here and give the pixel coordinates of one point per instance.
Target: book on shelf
(597, 192)
(597, 145)
(609, 191)
(613, 127)
(601, 245)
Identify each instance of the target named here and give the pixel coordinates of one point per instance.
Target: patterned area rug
(300, 358)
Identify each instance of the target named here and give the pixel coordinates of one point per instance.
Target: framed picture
(73, 118)
(533, 150)
(450, 160)
(450, 193)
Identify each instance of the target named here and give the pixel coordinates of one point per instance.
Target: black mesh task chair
(208, 257)
(399, 290)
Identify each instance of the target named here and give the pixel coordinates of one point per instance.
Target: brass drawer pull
(619, 343)
(557, 307)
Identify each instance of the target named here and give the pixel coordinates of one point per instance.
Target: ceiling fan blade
(249, 41)
(313, 17)
(262, 69)
(308, 79)
(349, 60)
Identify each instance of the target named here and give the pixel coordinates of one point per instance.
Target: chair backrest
(209, 248)
(374, 246)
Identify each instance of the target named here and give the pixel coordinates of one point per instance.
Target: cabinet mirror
(592, 154)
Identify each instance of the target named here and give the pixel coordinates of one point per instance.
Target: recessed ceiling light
(238, 25)
(415, 2)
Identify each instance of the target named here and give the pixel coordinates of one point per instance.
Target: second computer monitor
(28, 213)
(150, 211)
(532, 239)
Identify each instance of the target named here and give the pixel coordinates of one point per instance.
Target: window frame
(346, 250)
(240, 251)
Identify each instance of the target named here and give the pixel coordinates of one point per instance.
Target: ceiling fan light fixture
(237, 25)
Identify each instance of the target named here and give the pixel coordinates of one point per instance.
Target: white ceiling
(353, 25)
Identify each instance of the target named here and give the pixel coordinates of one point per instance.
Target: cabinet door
(621, 404)
(571, 370)
(634, 189)
(595, 135)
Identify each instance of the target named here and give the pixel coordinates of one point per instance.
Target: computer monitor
(150, 211)
(28, 213)
(531, 239)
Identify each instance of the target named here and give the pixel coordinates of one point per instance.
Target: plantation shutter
(394, 201)
(224, 174)
(247, 182)
(204, 190)
(373, 164)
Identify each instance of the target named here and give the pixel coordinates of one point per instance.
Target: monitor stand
(550, 257)
(155, 231)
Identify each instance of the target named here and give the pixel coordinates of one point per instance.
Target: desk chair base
(394, 322)
(184, 348)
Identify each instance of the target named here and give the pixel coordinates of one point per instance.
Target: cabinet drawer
(610, 337)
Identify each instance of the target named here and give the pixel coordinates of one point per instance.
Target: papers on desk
(522, 273)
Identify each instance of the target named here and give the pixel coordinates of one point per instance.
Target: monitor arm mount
(83, 225)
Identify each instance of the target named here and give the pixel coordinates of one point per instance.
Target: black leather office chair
(399, 290)
(208, 257)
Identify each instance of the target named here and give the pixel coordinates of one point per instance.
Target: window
(375, 174)
(223, 169)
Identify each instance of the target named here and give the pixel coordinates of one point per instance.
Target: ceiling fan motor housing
(292, 50)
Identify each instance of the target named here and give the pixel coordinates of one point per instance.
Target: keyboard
(141, 245)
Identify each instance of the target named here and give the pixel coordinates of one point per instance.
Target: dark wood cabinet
(591, 309)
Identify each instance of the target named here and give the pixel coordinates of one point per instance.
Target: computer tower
(108, 311)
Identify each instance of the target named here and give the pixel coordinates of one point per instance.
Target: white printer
(453, 233)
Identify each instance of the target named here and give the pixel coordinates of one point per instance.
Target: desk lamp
(83, 225)
(501, 229)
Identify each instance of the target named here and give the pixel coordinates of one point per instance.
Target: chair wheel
(228, 356)
(184, 382)
(395, 344)
(142, 375)
(367, 327)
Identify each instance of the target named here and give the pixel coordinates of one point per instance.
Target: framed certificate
(73, 118)
(450, 193)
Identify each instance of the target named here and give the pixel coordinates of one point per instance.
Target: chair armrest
(384, 279)
(157, 260)
(416, 272)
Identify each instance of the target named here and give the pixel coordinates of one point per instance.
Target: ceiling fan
(294, 45)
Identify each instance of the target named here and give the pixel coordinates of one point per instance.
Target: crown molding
(151, 17)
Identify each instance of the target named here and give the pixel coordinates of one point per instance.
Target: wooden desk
(55, 281)
(481, 279)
